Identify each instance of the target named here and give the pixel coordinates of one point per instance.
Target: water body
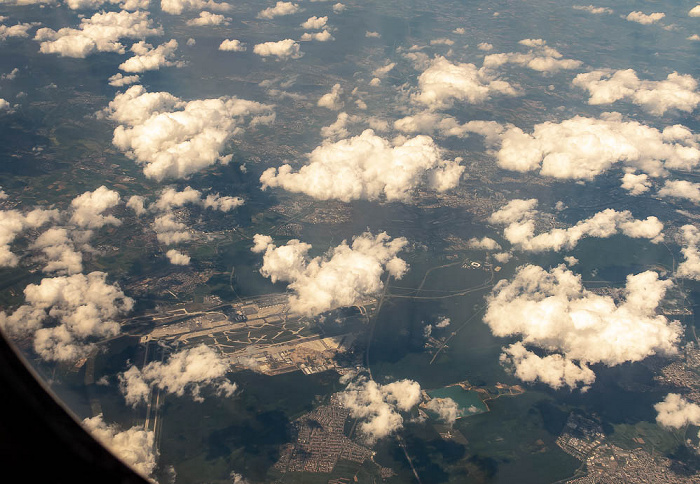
(468, 401)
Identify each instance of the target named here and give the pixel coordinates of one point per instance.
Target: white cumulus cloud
(59, 250)
(94, 4)
(13, 223)
(484, 243)
(135, 446)
(148, 58)
(232, 45)
(315, 23)
(177, 258)
(323, 36)
(207, 18)
(518, 216)
(551, 310)
(676, 412)
(582, 148)
(79, 308)
(282, 50)
(368, 167)
(379, 406)
(443, 83)
(174, 138)
(339, 278)
(184, 372)
(446, 409)
(120, 80)
(331, 100)
(636, 184)
(99, 33)
(89, 208)
(280, 9)
(677, 91)
(540, 57)
(176, 7)
(643, 18)
(20, 30)
(593, 9)
(681, 189)
(169, 230)
(690, 267)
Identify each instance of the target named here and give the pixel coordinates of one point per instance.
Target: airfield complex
(255, 333)
(260, 334)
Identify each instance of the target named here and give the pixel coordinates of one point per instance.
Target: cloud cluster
(446, 409)
(337, 129)
(636, 184)
(148, 58)
(99, 33)
(171, 198)
(135, 446)
(368, 167)
(429, 122)
(690, 267)
(645, 19)
(340, 278)
(551, 310)
(280, 9)
(323, 36)
(282, 50)
(93, 4)
(176, 7)
(676, 412)
(315, 23)
(518, 216)
(29, 2)
(71, 229)
(17, 30)
(331, 100)
(554, 370)
(681, 189)
(13, 223)
(186, 371)
(232, 45)
(60, 244)
(120, 80)
(173, 138)
(207, 18)
(78, 308)
(132, 4)
(540, 58)
(593, 9)
(177, 258)
(677, 91)
(59, 249)
(168, 229)
(442, 41)
(582, 148)
(88, 208)
(380, 406)
(384, 70)
(484, 243)
(443, 83)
